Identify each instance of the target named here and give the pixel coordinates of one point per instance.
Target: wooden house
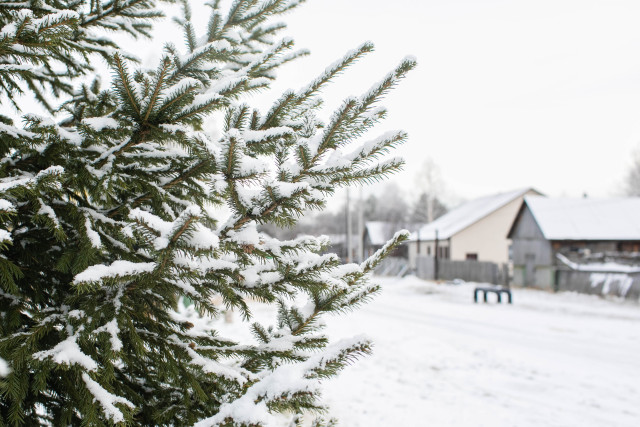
(377, 234)
(573, 228)
(339, 247)
(476, 230)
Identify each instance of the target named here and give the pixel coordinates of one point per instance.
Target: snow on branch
(68, 353)
(100, 123)
(334, 69)
(4, 368)
(99, 272)
(212, 366)
(16, 132)
(200, 236)
(370, 263)
(93, 235)
(107, 400)
(286, 381)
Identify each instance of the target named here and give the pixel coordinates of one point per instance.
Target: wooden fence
(619, 284)
(469, 271)
(393, 266)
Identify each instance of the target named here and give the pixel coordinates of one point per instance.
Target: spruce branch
(124, 85)
(113, 214)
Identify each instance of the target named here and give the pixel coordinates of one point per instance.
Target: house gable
(486, 239)
(525, 225)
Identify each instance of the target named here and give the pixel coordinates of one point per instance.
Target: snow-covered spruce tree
(114, 210)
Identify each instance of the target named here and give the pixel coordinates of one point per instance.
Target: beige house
(476, 230)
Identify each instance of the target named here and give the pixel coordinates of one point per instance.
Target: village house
(547, 234)
(476, 230)
(339, 247)
(377, 234)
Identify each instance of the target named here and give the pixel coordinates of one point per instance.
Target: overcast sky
(507, 93)
(513, 93)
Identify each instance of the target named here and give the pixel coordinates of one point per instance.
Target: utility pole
(349, 248)
(435, 260)
(360, 256)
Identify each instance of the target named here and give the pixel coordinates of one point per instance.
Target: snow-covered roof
(466, 214)
(379, 231)
(586, 218)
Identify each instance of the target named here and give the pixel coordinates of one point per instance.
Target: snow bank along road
(441, 360)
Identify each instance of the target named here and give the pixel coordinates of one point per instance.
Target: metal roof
(586, 218)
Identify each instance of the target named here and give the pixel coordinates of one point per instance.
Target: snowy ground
(441, 360)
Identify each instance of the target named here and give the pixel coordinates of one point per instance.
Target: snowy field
(441, 360)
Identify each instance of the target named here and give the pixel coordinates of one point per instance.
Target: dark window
(428, 250)
(472, 257)
(446, 252)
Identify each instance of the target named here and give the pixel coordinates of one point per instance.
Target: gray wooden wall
(527, 239)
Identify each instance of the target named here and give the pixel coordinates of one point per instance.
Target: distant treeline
(389, 205)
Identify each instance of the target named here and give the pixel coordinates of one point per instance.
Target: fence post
(435, 259)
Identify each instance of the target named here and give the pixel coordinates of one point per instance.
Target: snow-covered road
(441, 360)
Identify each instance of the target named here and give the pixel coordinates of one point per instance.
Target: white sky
(542, 93)
(507, 93)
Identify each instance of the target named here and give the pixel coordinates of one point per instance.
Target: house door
(529, 270)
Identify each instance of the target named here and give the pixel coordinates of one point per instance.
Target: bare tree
(429, 181)
(632, 182)
(392, 206)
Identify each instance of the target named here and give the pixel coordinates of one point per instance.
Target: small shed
(573, 228)
(377, 234)
(339, 246)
